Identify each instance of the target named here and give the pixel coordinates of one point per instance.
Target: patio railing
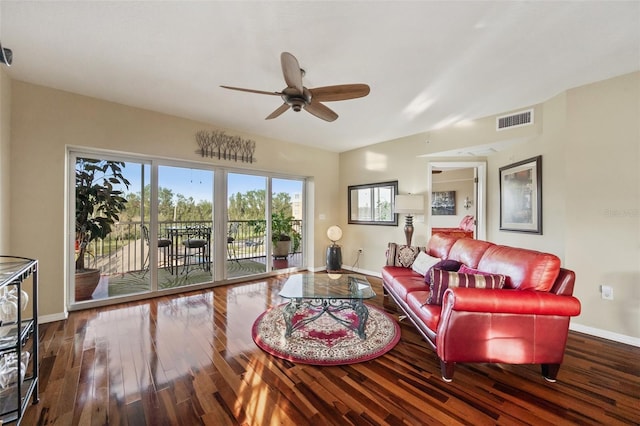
(125, 250)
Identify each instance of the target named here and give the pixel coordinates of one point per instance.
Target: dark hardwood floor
(189, 359)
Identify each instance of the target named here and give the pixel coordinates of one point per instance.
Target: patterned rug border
(384, 346)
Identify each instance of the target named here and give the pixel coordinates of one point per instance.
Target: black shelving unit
(17, 335)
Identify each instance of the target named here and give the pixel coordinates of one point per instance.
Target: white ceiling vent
(518, 119)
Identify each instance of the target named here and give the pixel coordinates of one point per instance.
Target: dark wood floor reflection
(189, 359)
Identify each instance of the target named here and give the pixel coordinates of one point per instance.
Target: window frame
(352, 208)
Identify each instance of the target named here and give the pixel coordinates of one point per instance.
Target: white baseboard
(61, 316)
(605, 334)
(363, 271)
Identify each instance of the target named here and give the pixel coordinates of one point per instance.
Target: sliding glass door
(246, 231)
(255, 245)
(286, 224)
(111, 253)
(184, 226)
(140, 225)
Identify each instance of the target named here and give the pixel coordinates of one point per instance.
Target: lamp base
(408, 228)
(334, 258)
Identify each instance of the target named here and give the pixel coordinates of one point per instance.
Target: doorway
(473, 203)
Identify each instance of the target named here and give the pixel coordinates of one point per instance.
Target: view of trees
(177, 207)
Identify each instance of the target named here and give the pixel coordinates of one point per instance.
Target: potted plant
(98, 205)
(282, 233)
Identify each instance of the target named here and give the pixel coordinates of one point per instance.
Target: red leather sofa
(525, 322)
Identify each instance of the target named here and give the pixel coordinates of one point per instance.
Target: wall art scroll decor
(217, 144)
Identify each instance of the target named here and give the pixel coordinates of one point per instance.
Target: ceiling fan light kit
(297, 97)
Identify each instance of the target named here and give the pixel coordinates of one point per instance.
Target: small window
(372, 204)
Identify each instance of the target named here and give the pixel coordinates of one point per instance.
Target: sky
(198, 183)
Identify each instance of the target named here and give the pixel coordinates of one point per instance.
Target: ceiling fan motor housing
(296, 100)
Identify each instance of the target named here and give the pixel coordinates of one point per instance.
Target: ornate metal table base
(330, 307)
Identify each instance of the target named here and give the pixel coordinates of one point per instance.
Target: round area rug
(325, 341)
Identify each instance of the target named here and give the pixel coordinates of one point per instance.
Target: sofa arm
(509, 302)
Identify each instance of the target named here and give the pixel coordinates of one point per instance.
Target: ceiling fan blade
(278, 112)
(321, 111)
(262, 92)
(291, 71)
(339, 93)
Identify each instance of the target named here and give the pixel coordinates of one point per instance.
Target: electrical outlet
(360, 250)
(607, 292)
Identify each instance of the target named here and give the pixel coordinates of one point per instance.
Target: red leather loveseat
(524, 322)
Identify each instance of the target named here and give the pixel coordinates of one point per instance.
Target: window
(167, 225)
(372, 204)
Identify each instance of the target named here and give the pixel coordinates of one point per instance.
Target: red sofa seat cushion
(428, 314)
(403, 283)
(525, 269)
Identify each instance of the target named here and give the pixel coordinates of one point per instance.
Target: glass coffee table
(327, 294)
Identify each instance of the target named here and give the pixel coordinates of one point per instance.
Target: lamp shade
(334, 233)
(409, 204)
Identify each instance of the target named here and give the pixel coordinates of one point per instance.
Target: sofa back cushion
(468, 251)
(439, 245)
(525, 269)
(402, 255)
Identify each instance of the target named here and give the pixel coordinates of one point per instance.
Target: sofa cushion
(401, 286)
(464, 269)
(445, 265)
(439, 245)
(428, 314)
(469, 251)
(402, 255)
(442, 280)
(525, 269)
(424, 262)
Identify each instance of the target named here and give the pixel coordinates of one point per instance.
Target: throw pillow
(402, 255)
(424, 262)
(464, 269)
(442, 280)
(446, 265)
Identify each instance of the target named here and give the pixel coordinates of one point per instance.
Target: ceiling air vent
(518, 119)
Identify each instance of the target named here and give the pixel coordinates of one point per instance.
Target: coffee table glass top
(327, 286)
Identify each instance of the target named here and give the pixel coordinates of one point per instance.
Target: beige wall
(44, 121)
(603, 201)
(393, 160)
(5, 152)
(589, 139)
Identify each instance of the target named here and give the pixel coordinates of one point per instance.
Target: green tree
(165, 205)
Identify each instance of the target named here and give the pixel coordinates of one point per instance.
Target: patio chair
(164, 244)
(197, 247)
(231, 243)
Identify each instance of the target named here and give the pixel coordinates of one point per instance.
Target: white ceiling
(429, 64)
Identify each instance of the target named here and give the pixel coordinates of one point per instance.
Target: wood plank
(189, 359)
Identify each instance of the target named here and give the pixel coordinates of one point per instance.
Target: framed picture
(373, 203)
(521, 196)
(443, 203)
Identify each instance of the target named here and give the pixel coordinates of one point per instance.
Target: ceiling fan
(298, 97)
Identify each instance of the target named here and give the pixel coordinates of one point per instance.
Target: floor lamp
(409, 204)
(334, 253)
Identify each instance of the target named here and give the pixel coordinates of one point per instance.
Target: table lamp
(409, 204)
